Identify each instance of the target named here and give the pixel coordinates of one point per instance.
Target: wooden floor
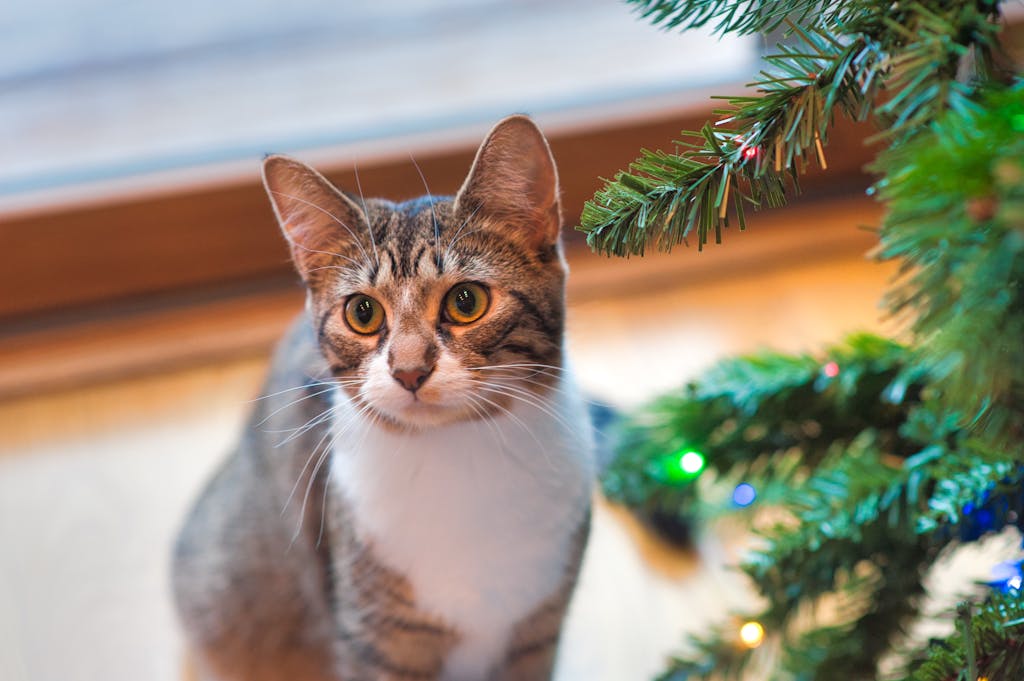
(94, 479)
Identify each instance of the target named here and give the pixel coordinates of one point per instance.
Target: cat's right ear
(319, 222)
(513, 181)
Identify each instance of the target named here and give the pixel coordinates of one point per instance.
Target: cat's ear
(513, 183)
(318, 220)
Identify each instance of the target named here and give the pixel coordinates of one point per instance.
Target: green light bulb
(681, 466)
(691, 462)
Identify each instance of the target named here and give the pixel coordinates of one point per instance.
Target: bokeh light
(744, 494)
(752, 634)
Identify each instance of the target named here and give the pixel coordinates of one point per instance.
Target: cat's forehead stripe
(406, 237)
(416, 264)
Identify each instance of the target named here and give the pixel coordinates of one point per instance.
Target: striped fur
(370, 528)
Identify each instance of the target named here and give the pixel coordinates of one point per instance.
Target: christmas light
(748, 152)
(691, 462)
(1007, 576)
(831, 369)
(682, 466)
(744, 494)
(752, 634)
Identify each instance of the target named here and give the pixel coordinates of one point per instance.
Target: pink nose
(412, 379)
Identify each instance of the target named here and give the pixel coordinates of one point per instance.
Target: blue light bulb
(744, 494)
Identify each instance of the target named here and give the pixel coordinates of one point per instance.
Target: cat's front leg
(531, 653)
(534, 661)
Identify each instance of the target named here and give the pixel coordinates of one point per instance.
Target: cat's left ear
(317, 219)
(514, 184)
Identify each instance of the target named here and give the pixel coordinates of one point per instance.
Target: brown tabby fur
(271, 580)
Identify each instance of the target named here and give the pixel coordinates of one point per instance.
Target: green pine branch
(929, 43)
(880, 604)
(956, 223)
(854, 514)
(715, 655)
(745, 157)
(991, 635)
(770, 415)
(914, 49)
(878, 457)
(875, 473)
(850, 508)
(739, 16)
(862, 626)
(863, 501)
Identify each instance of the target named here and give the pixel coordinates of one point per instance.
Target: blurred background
(143, 281)
(103, 89)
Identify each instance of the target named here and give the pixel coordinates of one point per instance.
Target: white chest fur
(478, 516)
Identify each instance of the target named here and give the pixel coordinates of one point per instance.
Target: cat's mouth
(431, 406)
(416, 413)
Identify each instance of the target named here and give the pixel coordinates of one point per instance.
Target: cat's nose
(412, 379)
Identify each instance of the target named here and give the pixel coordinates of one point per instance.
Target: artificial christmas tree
(877, 457)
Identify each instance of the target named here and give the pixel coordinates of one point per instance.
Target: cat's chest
(479, 516)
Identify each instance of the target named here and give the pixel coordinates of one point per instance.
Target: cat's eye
(364, 314)
(466, 303)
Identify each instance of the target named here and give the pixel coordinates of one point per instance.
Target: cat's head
(439, 309)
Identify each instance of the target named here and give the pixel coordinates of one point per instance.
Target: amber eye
(466, 303)
(364, 314)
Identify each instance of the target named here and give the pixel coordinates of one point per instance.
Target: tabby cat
(411, 499)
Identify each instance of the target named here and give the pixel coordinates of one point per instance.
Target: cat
(411, 500)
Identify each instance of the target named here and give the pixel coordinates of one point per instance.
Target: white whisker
(354, 419)
(313, 455)
(433, 214)
(309, 459)
(299, 431)
(518, 377)
(488, 419)
(455, 238)
(526, 397)
(277, 411)
(536, 367)
(316, 382)
(320, 459)
(366, 212)
(309, 487)
(314, 420)
(541, 384)
(509, 450)
(341, 268)
(355, 263)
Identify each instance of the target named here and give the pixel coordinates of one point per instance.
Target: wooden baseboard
(129, 343)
